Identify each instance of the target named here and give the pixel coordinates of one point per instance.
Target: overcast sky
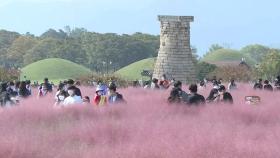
(233, 23)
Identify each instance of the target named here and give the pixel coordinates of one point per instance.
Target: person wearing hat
(100, 99)
(114, 96)
(72, 98)
(224, 96)
(103, 86)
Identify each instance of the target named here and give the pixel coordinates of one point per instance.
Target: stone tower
(175, 57)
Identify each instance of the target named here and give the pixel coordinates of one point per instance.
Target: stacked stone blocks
(175, 57)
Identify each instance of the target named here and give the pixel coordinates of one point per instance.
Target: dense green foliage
(269, 68)
(255, 52)
(54, 69)
(99, 52)
(203, 69)
(224, 55)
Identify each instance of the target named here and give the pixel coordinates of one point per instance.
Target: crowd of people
(218, 94)
(68, 93)
(266, 85)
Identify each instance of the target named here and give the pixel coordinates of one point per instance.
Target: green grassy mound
(133, 71)
(55, 69)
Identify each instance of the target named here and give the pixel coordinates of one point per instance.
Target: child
(100, 99)
(86, 100)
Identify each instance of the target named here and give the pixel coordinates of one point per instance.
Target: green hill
(226, 55)
(133, 71)
(54, 68)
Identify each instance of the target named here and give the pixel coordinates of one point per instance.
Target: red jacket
(100, 100)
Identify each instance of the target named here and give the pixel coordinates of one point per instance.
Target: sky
(230, 23)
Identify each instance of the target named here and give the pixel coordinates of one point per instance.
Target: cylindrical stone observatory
(175, 56)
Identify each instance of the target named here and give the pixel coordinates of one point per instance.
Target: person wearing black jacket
(114, 96)
(258, 85)
(267, 86)
(224, 96)
(194, 98)
(277, 83)
(177, 95)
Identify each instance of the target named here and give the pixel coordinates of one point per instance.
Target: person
(224, 96)
(73, 98)
(60, 97)
(154, 84)
(202, 85)
(12, 89)
(220, 81)
(177, 95)
(213, 93)
(146, 85)
(70, 83)
(60, 88)
(103, 86)
(258, 85)
(17, 83)
(267, 86)
(114, 96)
(232, 85)
(13, 93)
(100, 99)
(164, 83)
(47, 85)
(4, 96)
(194, 98)
(277, 83)
(86, 100)
(23, 91)
(28, 86)
(174, 97)
(43, 90)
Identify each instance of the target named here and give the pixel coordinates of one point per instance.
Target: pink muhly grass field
(146, 127)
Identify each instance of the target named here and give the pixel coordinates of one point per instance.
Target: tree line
(110, 51)
(90, 49)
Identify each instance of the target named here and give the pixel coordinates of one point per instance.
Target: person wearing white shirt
(72, 98)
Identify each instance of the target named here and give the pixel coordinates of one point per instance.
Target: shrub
(239, 73)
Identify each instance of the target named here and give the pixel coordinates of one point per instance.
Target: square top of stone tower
(175, 18)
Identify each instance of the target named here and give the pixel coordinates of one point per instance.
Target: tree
(45, 48)
(18, 49)
(51, 33)
(256, 52)
(203, 69)
(238, 73)
(78, 45)
(213, 48)
(269, 68)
